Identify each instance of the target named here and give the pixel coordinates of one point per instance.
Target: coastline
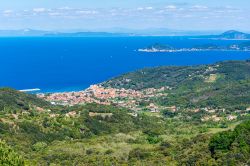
(219, 39)
(65, 89)
(189, 50)
(30, 90)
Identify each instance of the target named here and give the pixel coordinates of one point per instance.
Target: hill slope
(176, 76)
(94, 134)
(225, 84)
(16, 100)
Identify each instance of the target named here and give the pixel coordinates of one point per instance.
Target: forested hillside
(13, 100)
(204, 121)
(224, 85)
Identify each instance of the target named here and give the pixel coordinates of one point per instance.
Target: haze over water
(66, 64)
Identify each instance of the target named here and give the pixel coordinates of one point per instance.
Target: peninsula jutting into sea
(207, 47)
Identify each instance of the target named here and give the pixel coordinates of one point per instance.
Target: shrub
(39, 146)
(9, 157)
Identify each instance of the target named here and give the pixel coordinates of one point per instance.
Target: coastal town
(126, 98)
(131, 99)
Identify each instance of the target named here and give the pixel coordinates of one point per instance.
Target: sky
(100, 15)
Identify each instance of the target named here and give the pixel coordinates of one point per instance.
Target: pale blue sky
(132, 14)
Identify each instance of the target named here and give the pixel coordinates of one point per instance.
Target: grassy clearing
(212, 78)
(230, 127)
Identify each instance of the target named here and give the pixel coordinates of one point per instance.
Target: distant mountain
(131, 32)
(161, 32)
(22, 32)
(87, 34)
(228, 35)
(232, 34)
(119, 32)
(40, 33)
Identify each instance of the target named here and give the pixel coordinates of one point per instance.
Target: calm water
(64, 64)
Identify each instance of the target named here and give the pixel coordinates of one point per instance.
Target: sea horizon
(73, 64)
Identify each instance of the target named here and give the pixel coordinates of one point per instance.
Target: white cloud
(199, 7)
(174, 12)
(87, 12)
(145, 8)
(54, 14)
(149, 8)
(8, 11)
(161, 11)
(170, 7)
(140, 8)
(39, 10)
(65, 8)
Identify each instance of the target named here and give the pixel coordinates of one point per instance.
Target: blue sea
(71, 64)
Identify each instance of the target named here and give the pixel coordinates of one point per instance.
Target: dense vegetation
(225, 84)
(94, 134)
(178, 76)
(8, 156)
(13, 100)
(232, 146)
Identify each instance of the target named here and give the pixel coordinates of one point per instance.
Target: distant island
(228, 35)
(232, 34)
(87, 34)
(41, 33)
(206, 47)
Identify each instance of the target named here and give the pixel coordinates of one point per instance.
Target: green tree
(8, 157)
